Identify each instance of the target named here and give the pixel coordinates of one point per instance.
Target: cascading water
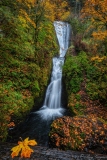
(37, 125)
(52, 106)
(63, 30)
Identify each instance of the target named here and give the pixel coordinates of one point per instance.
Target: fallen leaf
(23, 148)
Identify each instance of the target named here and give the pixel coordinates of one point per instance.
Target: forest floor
(44, 153)
(93, 109)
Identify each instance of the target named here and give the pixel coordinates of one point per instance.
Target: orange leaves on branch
(100, 35)
(24, 12)
(57, 9)
(98, 59)
(28, 3)
(96, 11)
(27, 18)
(23, 148)
(52, 10)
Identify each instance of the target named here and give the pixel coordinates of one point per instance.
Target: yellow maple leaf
(23, 148)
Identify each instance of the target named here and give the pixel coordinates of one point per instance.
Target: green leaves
(73, 71)
(25, 59)
(96, 78)
(90, 69)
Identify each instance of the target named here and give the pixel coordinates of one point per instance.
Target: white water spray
(52, 107)
(63, 30)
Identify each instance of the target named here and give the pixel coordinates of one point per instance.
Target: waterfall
(52, 106)
(37, 124)
(63, 30)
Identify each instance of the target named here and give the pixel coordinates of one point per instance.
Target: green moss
(73, 71)
(87, 70)
(82, 135)
(26, 66)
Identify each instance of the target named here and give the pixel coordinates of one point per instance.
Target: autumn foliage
(79, 133)
(23, 148)
(27, 44)
(96, 11)
(57, 9)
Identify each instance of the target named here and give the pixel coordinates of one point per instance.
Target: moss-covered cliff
(25, 58)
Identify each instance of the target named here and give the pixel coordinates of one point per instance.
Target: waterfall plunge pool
(37, 125)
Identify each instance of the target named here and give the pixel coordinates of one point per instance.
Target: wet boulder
(79, 133)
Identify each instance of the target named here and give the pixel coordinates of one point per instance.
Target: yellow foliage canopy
(24, 15)
(57, 9)
(27, 18)
(24, 148)
(96, 11)
(28, 3)
(98, 59)
(100, 35)
(53, 10)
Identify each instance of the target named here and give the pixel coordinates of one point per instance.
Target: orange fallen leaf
(23, 148)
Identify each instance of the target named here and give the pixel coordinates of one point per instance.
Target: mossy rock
(79, 133)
